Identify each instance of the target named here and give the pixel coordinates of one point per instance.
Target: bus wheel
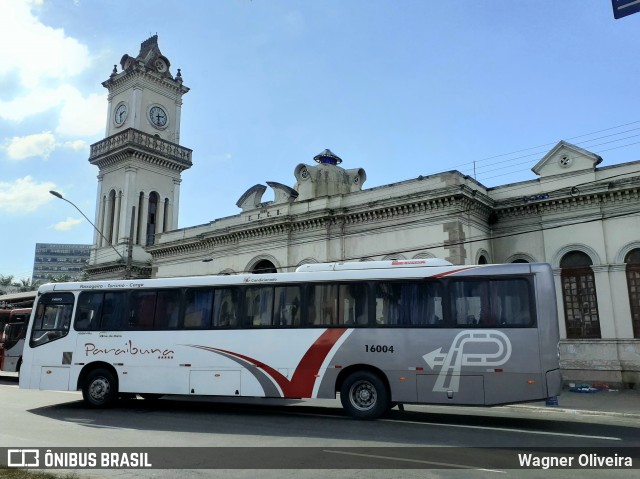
(100, 389)
(364, 395)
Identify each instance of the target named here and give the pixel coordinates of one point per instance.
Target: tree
(63, 278)
(25, 285)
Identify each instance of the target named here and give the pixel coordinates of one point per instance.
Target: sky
(401, 88)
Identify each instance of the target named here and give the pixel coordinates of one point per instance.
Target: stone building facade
(577, 215)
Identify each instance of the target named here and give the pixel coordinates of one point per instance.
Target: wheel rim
(99, 389)
(363, 395)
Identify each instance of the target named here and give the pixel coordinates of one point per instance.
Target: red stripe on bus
(447, 273)
(304, 377)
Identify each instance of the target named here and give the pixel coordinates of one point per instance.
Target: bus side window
(225, 308)
(415, 303)
(354, 304)
(512, 303)
(470, 302)
(143, 304)
(115, 311)
(167, 309)
(322, 305)
(88, 311)
(197, 309)
(286, 311)
(258, 306)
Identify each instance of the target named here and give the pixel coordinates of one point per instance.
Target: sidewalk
(605, 402)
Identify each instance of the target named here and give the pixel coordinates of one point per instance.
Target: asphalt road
(335, 445)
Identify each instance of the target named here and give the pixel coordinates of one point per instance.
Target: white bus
(376, 333)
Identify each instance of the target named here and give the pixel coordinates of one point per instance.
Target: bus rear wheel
(100, 388)
(364, 395)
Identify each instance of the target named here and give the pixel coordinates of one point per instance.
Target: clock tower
(140, 162)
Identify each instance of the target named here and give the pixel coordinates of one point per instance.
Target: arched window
(520, 261)
(633, 285)
(151, 218)
(264, 267)
(482, 259)
(579, 296)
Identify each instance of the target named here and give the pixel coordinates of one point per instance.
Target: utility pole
(107, 241)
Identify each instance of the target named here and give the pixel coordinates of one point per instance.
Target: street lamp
(58, 195)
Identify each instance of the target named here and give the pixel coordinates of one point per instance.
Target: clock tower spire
(140, 163)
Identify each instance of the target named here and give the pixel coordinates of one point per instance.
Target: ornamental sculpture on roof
(149, 58)
(325, 179)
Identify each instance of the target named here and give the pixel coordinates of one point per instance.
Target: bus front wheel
(364, 395)
(100, 389)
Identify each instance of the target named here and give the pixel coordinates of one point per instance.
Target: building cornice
(319, 220)
(571, 199)
(122, 81)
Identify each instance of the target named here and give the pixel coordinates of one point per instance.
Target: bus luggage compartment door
(54, 378)
(463, 389)
(215, 383)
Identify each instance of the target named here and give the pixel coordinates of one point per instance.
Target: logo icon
(452, 362)
(23, 457)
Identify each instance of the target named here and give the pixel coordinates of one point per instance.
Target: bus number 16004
(378, 348)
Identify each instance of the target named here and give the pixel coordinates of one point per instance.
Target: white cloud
(38, 53)
(40, 144)
(77, 145)
(31, 102)
(24, 195)
(66, 224)
(82, 116)
(42, 62)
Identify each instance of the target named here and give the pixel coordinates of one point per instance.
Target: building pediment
(566, 158)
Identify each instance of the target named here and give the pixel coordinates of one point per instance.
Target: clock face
(120, 115)
(158, 117)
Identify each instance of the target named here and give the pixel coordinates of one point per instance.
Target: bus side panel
(548, 328)
(446, 365)
(55, 357)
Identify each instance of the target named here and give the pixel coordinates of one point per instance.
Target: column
(144, 218)
(103, 221)
(129, 199)
(98, 217)
(177, 127)
(116, 219)
(176, 203)
(605, 308)
(160, 215)
(620, 301)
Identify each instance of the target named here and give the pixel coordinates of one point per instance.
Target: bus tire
(364, 395)
(100, 388)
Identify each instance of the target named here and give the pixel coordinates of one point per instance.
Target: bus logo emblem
(451, 363)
